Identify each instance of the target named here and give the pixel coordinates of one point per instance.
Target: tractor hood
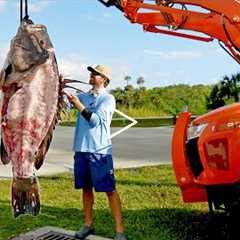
(228, 113)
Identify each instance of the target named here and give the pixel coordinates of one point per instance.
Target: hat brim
(91, 69)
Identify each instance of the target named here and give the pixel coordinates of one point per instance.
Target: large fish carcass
(32, 90)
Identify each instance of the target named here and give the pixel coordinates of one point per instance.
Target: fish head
(39, 35)
(29, 47)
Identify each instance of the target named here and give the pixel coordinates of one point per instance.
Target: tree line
(171, 100)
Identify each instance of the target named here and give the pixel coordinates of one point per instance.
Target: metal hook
(26, 17)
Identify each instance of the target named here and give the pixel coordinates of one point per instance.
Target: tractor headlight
(195, 131)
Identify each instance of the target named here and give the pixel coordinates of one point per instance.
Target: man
(93, 165)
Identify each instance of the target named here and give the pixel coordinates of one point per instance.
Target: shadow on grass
(147, 224)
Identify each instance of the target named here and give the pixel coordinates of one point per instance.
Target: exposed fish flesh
(30, 110)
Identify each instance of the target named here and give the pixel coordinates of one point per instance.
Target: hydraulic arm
(216, 19)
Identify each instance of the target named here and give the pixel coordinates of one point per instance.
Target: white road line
(133, 122)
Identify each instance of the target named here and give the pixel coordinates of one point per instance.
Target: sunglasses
(95, 74)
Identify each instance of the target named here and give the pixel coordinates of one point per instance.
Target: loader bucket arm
(217, 19)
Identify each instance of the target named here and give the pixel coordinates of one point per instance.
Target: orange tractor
(206, 151)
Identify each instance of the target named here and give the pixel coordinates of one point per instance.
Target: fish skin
(31, 85)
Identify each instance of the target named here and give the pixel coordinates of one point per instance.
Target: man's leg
(88, 200)
(116, 208)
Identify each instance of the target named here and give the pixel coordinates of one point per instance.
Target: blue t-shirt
(94, 135)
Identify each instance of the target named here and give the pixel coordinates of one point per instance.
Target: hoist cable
(26, 10)
(26, 17)
(21, 10)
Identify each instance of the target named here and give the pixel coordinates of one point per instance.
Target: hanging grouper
(31, 107)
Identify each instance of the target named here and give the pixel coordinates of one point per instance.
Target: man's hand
(75, 101)
(72, 99)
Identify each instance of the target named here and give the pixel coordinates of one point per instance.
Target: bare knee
(88, 191)
(111, 194)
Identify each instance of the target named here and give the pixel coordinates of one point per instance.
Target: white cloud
(40, 5)
(91, 18)
(73, 67)
(174, 55)
(2, 5)
(107, 15)
(119, 72)
(104, 18)
(3, 55)
(165, 78)
(212, 80)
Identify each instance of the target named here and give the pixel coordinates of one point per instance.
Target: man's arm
(82, 109)
(94, 118)
(103, 110)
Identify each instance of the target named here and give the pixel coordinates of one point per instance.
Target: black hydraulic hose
(109, 3)
(225, 49)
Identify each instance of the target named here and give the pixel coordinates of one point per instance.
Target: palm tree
(140, 81)
(226, 89)
(118, 93)
(229, 87)
(215, 100)
(127, 79)
(236, 88)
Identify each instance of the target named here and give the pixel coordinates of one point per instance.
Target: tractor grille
(193, 157)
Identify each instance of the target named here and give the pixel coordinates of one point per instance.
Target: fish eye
(41, 42)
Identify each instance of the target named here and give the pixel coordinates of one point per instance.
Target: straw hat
(102, 70)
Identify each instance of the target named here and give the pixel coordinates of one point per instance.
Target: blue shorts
(94, 170)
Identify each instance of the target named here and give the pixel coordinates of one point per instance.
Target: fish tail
(25, 196)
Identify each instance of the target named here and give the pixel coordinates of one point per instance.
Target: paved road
(135, 147)
(151, 145)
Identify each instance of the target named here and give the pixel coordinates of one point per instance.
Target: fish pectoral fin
(2, 78)
(4, 73)
(25, 196)
(4, 157)
(42, 151)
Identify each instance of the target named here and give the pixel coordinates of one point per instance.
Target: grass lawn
(152, 208)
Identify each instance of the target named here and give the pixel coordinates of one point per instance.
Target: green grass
(142, 122)
(142, 112)
(152, 208)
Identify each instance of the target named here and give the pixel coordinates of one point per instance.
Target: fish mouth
(25, 196)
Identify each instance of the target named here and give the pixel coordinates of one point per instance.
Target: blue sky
(84, 32)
